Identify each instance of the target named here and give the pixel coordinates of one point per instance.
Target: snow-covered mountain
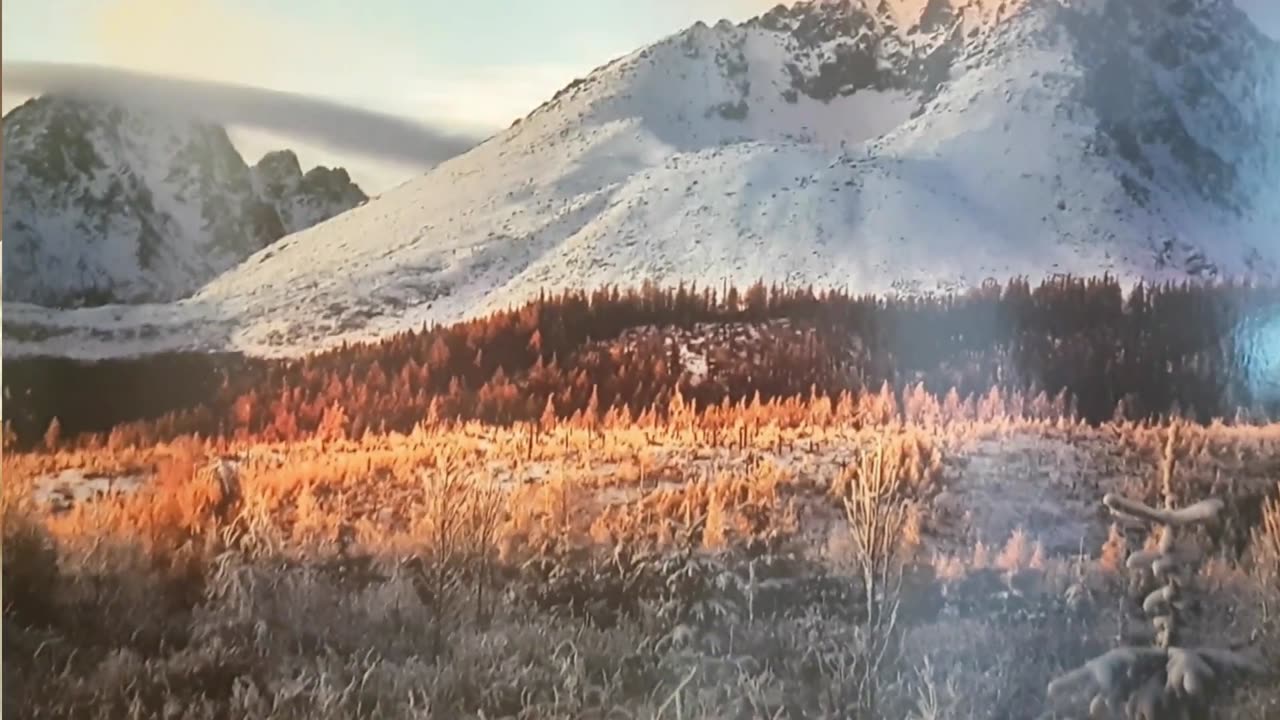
(107, 204)
(895, 145)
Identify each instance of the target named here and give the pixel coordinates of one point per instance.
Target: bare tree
(484, 513)
(878, 508)
(443, 529)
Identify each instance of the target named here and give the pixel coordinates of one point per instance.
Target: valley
(910, 359)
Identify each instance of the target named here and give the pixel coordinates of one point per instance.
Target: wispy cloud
(319, 120)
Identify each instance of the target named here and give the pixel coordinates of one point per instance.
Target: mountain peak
(303, 200)
(104, 203)
(281, 164)
(832, 18)
(928, 16)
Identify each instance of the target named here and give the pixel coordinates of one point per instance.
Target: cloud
(322, 121)
(374, 175)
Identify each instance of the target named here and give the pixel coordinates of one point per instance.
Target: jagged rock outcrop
(104, 204)
(303, 200)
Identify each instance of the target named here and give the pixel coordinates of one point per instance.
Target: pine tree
(548, 420)
(333, 424)
(52, 435)
(1173, 678)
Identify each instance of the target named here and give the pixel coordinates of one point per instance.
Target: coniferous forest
(1194, 350)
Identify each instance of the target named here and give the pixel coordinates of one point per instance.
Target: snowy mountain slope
(104, 204)
(916, 145)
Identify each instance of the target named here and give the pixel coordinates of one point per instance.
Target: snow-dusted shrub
(1176, 677)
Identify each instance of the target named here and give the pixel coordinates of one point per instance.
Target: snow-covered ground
(825, 145)
(63, 490)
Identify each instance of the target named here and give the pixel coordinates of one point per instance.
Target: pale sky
(473, 65)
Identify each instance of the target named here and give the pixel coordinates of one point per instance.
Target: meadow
(788, 559)
(735, 516)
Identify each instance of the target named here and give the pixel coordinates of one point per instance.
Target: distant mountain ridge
(106, 204)
(911, 146)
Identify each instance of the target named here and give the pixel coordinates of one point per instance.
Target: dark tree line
(1194, 349)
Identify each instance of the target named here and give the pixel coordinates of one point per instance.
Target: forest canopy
(1195, 349)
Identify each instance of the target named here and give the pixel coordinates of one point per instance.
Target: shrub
(30, 572)
(1173, 678)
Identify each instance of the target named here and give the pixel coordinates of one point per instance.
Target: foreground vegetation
(896, 555)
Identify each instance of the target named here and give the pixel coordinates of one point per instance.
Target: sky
(465, 66)
(458, 66)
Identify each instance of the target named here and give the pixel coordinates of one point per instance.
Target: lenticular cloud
(323, 121)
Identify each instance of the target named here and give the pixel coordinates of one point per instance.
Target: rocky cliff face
(302, 200)
(103, 204)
